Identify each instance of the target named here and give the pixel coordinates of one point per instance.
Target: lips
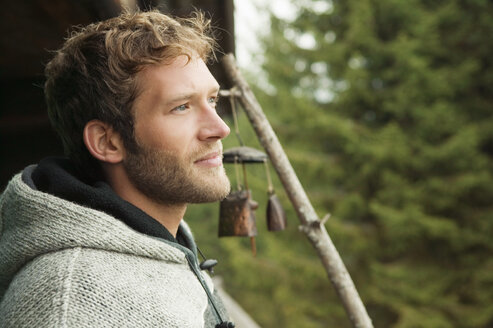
(211, 159)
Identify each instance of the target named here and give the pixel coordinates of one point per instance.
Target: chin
(214, 189)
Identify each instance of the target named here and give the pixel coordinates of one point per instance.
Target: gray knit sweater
(65, 265)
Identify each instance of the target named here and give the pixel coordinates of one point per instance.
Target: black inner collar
(57, 176)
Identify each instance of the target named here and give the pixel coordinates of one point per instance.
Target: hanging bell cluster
(237, 210)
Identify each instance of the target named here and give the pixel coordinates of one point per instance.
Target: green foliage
(388, 122)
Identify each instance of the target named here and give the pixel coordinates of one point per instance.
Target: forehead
(181, 75)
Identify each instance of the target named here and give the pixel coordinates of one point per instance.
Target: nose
(213, 126)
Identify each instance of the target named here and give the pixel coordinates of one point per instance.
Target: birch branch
(310, 223)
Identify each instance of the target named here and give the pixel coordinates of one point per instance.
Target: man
(97, 239)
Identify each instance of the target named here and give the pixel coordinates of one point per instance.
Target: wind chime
(237, 210)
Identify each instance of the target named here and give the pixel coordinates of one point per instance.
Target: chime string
(232, 100)
(237, 173)
(270, 187)
(244, 175)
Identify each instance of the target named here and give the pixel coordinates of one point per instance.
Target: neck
(169, 215)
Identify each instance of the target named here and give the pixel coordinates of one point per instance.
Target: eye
(213, 100)
(180, 108)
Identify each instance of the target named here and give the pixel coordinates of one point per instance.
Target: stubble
(167, 179)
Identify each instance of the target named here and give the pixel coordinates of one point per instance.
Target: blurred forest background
(385, 109)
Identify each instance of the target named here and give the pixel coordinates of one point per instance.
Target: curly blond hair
(93, 75)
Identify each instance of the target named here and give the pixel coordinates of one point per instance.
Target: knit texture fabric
(65, 265)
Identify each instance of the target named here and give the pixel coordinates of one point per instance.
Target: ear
(103, 142)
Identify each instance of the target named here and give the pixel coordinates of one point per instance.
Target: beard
(168, 179)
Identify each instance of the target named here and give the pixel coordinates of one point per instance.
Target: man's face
(177, 129)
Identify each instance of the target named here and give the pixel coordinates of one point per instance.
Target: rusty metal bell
(237, 215)
(276, 217)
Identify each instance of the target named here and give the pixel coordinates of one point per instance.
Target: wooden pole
(310, 223)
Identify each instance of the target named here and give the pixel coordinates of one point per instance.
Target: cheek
(170, 135)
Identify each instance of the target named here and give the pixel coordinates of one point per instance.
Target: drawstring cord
(223, 323)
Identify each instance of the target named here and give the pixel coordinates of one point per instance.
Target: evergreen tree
(386, 110)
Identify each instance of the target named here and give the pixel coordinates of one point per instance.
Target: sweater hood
(33, 223)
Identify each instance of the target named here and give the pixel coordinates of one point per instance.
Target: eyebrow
(187, 95)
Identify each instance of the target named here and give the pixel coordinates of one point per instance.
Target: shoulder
(36, 295)
(83, 287)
